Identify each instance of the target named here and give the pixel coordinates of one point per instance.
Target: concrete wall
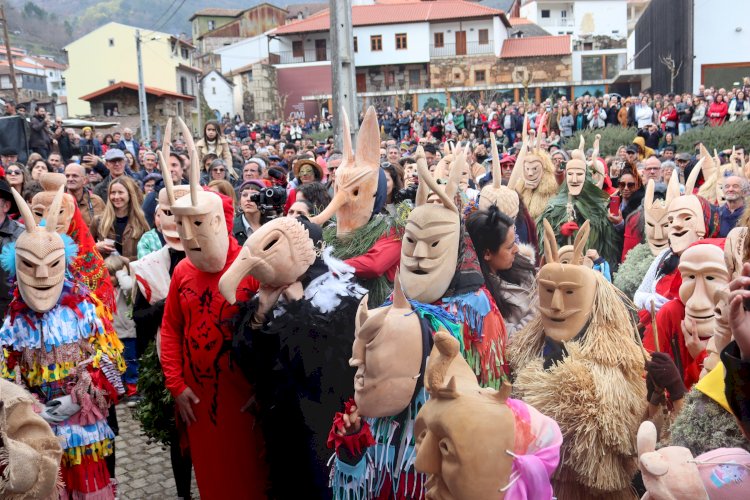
(720, 38)
(417, 44)
(496, 32)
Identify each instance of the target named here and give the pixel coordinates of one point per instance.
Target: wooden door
(361, 82)
(460, 43)
(320, 50)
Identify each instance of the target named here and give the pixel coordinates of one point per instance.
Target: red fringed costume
(196, 339)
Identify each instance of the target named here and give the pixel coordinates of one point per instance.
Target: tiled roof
(515, 21)
(409, 12)
(216, 12)
(134, 86)
(536, 46)
(48, 63)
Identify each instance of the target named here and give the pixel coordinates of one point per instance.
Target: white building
(580, 17)
(218, 93)
(247, 51)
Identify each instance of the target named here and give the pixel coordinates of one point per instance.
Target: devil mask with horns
(200, 218)
(429, 250)
(687, 220)
(656, 217)
(356, 181)
(167, 196)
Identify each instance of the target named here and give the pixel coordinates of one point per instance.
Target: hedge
(724, 137)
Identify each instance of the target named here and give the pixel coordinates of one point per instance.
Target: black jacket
(40, 134)
(10, 230)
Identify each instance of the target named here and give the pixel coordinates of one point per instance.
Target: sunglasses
(629, 185)
(219, 170)
(13, 172)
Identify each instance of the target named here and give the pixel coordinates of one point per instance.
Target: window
(415, 77)
(376, 43)
(213, 90)
(183, 85)
(111, 42)
(592, 67)
(180, 108)
(563, 14)
(400, 41)
(479, 76)
(438, 40)
(111, 82)
(484, 37)
(298, 49)
(184, 53)
(588, 45)
(356, 48)
(545, 13)
(211, 25)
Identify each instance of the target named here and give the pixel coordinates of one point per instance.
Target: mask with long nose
(685, 213)
(200, 219)
(656, 217)
(463, 433)
(277, 255)
(703, 272)
(40, 257)
(356, 181)
(429, 249)
(566, 291)
(387, 353)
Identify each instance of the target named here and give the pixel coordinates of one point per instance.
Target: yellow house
(107, 56)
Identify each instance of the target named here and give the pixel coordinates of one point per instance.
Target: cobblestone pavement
(143, 470)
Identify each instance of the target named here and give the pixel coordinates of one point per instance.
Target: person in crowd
(39, 166)
(8, 155)
(89, 204)
(250, 218)
(10, 230)
(224, 187)
(739, 107)
(175, 166)
(394, 175)
(717, 111)
(331, 165)
(735, 190)
(218, 171)
(122, 282)
(116, 167)
(150, 182)
(131, 162)
(128, 142)
(302, 208)
(253, 169)
(631, 193)
(17, 176)
(508, 275)
(88, 143)
(40, 140)
(122, 224)
(213, 142)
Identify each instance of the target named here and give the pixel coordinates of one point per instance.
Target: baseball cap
(114, 154)
(632, 149)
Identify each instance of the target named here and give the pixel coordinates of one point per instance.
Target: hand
(185, 402)
(568, 229)
(662, 371)
(104, 247)
(739, 313)
(614, 219)
(592, 254)
(267, 298)
(90, 159)
(352, 422)
(693, 342)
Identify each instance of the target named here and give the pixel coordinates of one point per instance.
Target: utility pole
(142, 104)
(9, 53)
(342, 68)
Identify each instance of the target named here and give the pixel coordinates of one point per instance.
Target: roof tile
(406, 12)
(134, 86)
(536, 46)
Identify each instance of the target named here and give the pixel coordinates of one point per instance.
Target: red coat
(633, 234)
(196, 339)
(381, 259)
(717, 113)
(668, 324)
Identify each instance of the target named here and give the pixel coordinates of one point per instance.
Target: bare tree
(674, 70)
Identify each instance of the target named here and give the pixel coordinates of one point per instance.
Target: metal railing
(558, 22)
(308, 55)
(462, 49)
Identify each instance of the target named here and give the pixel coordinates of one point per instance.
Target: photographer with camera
(40, 140)
(258, 205)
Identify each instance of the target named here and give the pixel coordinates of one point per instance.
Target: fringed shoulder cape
(596, 393)
(70, 350)
(298, 362)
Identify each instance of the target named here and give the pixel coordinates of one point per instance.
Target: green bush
(612, 138)
(724, 137)
(737, 133)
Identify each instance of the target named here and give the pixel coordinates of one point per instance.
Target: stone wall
(375, 77)
(159, 109)
(455, 72)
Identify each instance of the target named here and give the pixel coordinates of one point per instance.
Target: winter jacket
(699, 116)
(40, 135)
(743, 106)
(597, 118)
(220, 149)
(566, 125)
(717, 113)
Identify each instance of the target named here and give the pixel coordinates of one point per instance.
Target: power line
(164, 13)
(171, 16)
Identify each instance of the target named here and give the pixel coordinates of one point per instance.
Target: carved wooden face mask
(703, 272)
(356, 178)
(387, 354)
(566, 291)
(656, 217)
(685, 213)
(504, 197)
(429, 249)
(200, 219)
(463, 433)
(40, 257)
(168, 195)
(42, 201)
(277, 255)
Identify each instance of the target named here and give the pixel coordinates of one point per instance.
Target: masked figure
(653, 221)
(88, 266)
(579, 362)
(685, 324)
(210, 391)
(153, 274)
(375, 455)
(362, 237)
(580, 200)
(296, 349)
(59, 348)
(472, 442)
(538, 172)
(690, 218)
(439, 266)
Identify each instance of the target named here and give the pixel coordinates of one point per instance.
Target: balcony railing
(559, 22)
(293, 57)
(462, 49)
